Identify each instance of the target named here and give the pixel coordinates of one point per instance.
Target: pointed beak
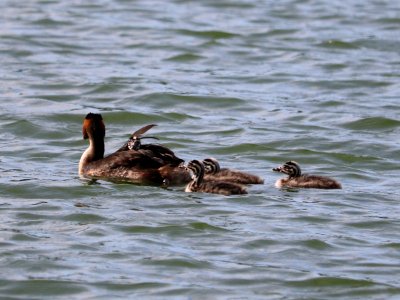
(278, 169)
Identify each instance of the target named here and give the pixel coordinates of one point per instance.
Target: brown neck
(98, 148)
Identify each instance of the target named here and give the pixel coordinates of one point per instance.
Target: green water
(252, 83)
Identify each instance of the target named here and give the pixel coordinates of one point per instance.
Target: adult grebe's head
(290, 168)
(211, 165)
(93, 129)
(93, 126)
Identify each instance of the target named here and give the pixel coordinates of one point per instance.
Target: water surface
(252, 83)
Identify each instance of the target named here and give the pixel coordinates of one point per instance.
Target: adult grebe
(297, 180)
(144, 166)
(213, 171)
(210, 186)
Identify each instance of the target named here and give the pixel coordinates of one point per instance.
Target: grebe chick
(163, 153)
(210, 186)
(213, 171)
(134, 141)
(297, 180)
(141, 166)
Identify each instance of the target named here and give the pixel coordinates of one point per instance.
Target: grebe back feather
(134, 141)
(213, 171)
(154, 150)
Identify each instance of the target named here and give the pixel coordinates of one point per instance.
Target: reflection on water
(251, 83)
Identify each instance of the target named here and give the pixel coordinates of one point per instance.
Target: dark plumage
(154, 150)
(144, 166)
(214, 172)
(210, 186)
(296, 179)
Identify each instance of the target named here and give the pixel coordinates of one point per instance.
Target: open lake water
(252, 83)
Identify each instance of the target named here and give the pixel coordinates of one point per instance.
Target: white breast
(279, 183)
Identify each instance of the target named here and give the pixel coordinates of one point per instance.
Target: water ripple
(252, 83)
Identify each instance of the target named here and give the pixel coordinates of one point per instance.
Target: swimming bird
(213, 171)
(134, 142)
(296, 179)
(155, 150)
(142, 166)
(198, 184)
